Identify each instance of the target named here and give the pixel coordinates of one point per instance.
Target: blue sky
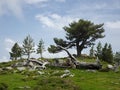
(45, 19)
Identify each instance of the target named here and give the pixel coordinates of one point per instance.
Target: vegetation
(117, 58)
(40, 48)
(81, 34)
(99, 50)
(51, 80)
(92, 52)
(107, 54)
(16, 52)
(28, 46)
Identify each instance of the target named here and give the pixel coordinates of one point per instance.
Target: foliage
(3, 86)
(92, 51)
(16, 51)
(53, 49)
(117, 57)
(107, 54)
(28, 46)
(40, 48)
(56, 83)
(99, 50)
(81, 34)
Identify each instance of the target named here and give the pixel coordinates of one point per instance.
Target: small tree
(99, 50)
(117, 58)
(107, 54)
(92, 51)
(16, 52)
(28, 46)
(40, 48)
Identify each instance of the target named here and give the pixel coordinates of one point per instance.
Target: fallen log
(80, 65)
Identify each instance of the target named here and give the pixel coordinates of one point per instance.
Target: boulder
(21, 68)
(111, 67)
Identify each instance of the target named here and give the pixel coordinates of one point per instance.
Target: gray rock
(1, 69)
(9, 68)
(21, 68)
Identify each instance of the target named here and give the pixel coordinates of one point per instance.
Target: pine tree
(92, 51)
(107, 54)
(110, 54)
(81, 34)
(16, 52)
(117, 58)
(28, 46)
(40, 48)
(99, 50)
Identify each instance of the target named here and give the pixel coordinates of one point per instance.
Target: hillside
(51, 79)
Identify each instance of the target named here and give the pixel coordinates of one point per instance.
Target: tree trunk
(41, 55)
(78, 50)
(28, 56)
(82, 65)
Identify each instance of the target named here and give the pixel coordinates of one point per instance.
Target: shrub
(3, 86)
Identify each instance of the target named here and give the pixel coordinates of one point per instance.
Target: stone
(1, 69)
(109, 66)
(90, 70)
(66, 71)
(41, 72)
(21, 68)
(9, 68)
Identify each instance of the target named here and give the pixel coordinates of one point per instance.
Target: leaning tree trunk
(73, 59)
(82, 65)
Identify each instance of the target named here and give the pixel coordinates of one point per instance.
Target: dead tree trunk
(81, 65)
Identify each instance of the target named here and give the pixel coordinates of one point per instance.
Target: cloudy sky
(45, 19)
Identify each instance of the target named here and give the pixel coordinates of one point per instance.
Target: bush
(3, 86)
(55, 83)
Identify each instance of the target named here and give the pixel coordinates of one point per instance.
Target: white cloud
(10, 41)
(60, 0)
(4, 59)
(55, 21)
(15, 7)
(35, 1)
(113, 25)
(8, 44)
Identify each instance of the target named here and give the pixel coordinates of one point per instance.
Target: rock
(90, 70)
(109, 66)
(64, 75)
(21, 68)
(9, 68)
(41, 72)
(66, 71)
(1, 69)
(72, 75)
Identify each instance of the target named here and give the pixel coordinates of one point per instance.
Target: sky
(46, 18)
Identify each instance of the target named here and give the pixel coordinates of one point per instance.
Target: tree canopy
(80, 35)
(40, 48)
(16, 51)
(28, 46)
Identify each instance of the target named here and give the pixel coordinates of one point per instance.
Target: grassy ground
(51, 80)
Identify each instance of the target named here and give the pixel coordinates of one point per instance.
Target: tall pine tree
(28, 46)
(92, 51)
(16, 52)
(107, 54)
(99, 50)
(40, 48)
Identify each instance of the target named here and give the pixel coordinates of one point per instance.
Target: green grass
(51, 80)
(97, 81)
